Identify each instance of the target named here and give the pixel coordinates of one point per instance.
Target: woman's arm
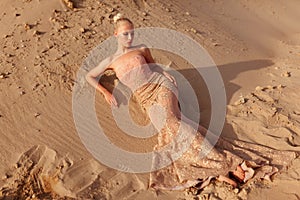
(91, 78)
(154, 66)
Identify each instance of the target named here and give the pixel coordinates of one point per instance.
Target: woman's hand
(109, 97)
(170, 77)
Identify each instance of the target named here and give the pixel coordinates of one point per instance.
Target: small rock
(2, 76)
(280, 86)
(17, 165)
(242, 100)
(35, 86)
(167, 9)
(37, 114)
(63, 27)
(194, 30)
(144, 14)
(9, 55)
(69, 4)
(259, 88)
(82, 30)
(35, 33)
(22, 92)
(187, 13)
(52, 19)
(111, 10)
(18, 14)
(216, 44)
(6, 176)
(236, 190)
(27, 27)
(286, 74)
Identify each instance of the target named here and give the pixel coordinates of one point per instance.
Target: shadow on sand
(228, 72)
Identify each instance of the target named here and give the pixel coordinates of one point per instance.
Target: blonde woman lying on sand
(232, 162)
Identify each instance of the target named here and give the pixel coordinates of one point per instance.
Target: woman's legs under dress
(200, 161)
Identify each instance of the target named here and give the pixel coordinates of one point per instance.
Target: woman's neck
(122, 49)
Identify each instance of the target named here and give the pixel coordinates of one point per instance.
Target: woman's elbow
(89, 77)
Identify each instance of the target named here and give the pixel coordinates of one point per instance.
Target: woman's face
(125, 34)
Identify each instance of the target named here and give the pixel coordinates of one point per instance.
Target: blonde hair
(118, 18)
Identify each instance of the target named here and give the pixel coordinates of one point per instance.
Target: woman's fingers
(114, 101)
(174, 81)
(171, 78)
(111, 100)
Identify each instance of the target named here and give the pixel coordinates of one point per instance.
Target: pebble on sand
(259, 88)
(242, 100)
(5, 177)
(69, 4)
(17, 165)
(27, 26)
(37, 114)
(82, 30)
(193, 30)
(35, 33)
(281, 86)
(4, 75)
(286, 74)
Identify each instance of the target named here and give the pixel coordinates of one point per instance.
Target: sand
(255, 44)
